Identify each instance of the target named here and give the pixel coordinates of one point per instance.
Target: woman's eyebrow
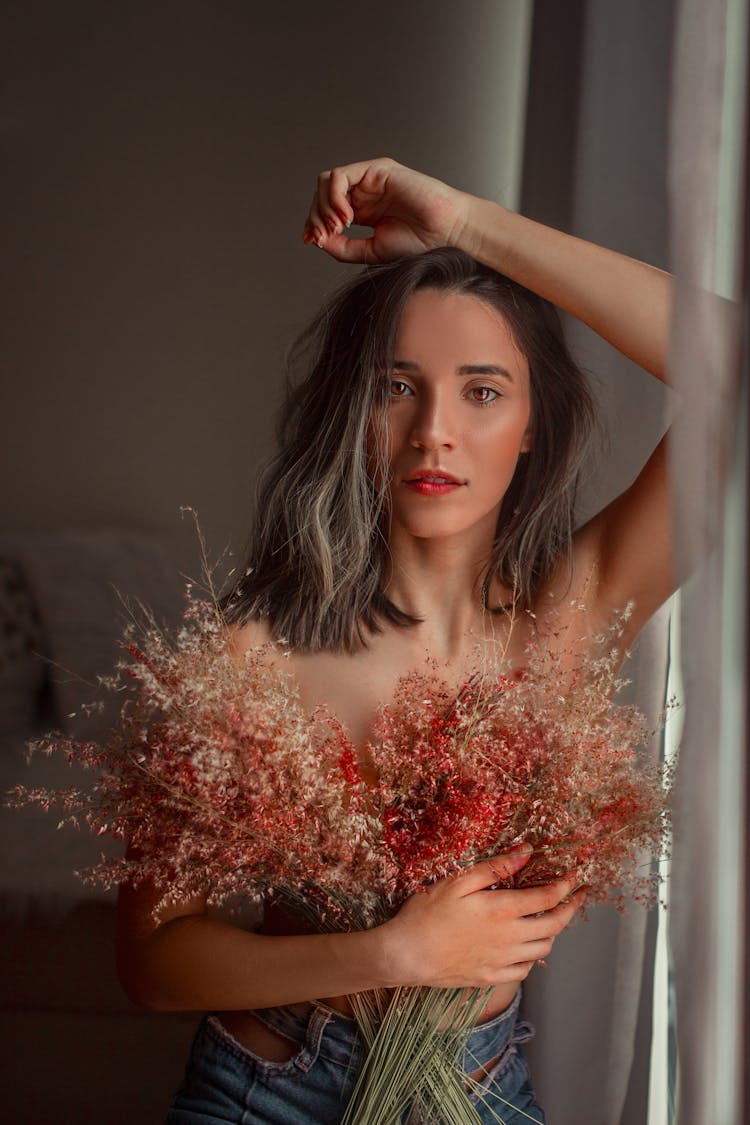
(485, 369)
(466, 369)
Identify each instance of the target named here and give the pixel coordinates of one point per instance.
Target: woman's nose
(433, 427)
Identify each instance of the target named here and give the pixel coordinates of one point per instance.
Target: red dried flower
(223, 783)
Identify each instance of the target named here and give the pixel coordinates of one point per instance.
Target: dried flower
(224, 784)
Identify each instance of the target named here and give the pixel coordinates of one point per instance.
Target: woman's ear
(527, 441)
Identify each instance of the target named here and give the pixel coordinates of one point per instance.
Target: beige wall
(159, 160)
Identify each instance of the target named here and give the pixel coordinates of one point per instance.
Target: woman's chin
(443, 527)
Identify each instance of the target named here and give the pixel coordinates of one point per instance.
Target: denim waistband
(336, 1033)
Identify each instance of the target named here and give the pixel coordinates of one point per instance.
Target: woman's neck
(441, 584)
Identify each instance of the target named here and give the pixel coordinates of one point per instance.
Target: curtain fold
(709, 472)
(592, 1008)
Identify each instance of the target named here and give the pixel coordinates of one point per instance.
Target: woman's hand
(409, 212)
(459, 934)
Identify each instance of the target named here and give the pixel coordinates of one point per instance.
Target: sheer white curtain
(590, 1059)
(709, 460)
(593, 1008)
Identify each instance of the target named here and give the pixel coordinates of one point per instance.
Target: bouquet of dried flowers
(223, 784)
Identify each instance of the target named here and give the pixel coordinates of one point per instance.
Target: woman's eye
(484, 395)
(399, 389)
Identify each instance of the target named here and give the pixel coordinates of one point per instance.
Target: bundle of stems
(414, 1039)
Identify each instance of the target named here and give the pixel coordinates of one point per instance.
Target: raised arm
(628, 544)
(623, 300)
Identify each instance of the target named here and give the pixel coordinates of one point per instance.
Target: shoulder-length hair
(319, 542)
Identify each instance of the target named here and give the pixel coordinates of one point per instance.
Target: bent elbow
(142, 986)
(137, 988)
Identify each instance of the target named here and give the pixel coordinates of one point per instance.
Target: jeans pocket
(297, 1064)
(511, 1057)
(506, 1093)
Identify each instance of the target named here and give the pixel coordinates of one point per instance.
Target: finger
(358, 250)
(532, 951)
(553, 922)
(519, 971)
(539, 900)
(319, 231)
(339, 186)
(332, 204)
(346, 249)
(341, 180)
(315, 226)
(490, 871)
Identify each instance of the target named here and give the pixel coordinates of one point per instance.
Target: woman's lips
(433, 485)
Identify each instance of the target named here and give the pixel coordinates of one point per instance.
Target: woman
(421, 501)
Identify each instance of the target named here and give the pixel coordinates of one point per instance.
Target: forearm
(197, 963)
(625, 301)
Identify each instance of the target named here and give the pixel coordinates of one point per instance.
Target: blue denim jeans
(226, 1082)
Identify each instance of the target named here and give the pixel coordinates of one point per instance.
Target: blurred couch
(75, 1050)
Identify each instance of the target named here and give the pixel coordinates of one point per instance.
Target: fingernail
(349, 223)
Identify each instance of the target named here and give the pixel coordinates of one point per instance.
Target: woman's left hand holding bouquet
(455, 934)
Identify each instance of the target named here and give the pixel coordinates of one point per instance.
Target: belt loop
(315, 1028)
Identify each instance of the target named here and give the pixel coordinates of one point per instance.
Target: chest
(354, 687)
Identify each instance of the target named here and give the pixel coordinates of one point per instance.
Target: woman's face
(459, 415)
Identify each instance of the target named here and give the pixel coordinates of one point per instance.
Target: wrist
(397, 966)
(480, 229)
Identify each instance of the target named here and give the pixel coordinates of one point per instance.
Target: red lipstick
(432, 482)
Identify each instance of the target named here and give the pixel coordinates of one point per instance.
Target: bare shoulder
(244, 638)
